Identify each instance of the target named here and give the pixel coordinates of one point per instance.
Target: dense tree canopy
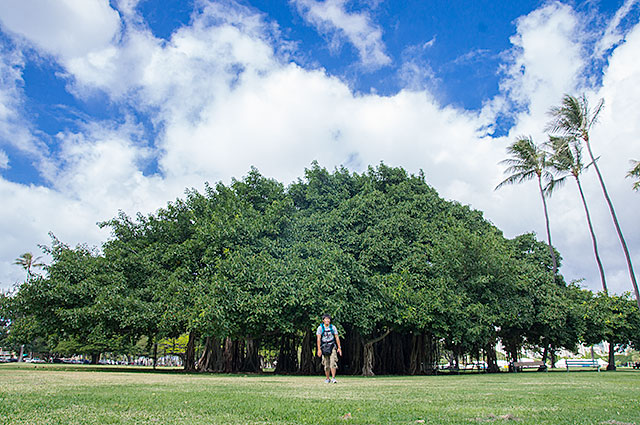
(407, 276)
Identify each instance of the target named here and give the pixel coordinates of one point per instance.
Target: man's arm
(319, 349)
(339, 345)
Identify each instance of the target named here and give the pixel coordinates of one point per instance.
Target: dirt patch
(614, 422)
(494, 418)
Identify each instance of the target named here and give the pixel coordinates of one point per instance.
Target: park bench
(582, 363)
(518, 366)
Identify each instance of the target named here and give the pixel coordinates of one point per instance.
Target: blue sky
(122, 104)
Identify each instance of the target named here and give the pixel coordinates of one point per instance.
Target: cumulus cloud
(96, 174)
(223, 99)
(331, 18)
(68, 28)
(546, 61)
(15, 130)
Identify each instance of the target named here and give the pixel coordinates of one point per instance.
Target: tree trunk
(492, 358)
(367, 368)
(456, 359)
(546, 219)
(20, 357)
(190, 354)
(238, 355)
(390, 355)
(95, 358)
(432, 355)
(251, 361)
(552, 354)
(627, 256)
(288, 355)
(211, 358)
(230, 356)
(309, 361)
(369, 359)
(545, 354)
(416, 358)
(593, 237)
(612, 357)
(233, 356)
(155, 354)
(352, 351)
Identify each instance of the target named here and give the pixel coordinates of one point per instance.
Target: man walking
(328, 347)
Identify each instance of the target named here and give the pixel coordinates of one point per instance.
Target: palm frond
(635, 172)
(573, 117)
(592, 162)
(554, 184)
(595, 112)
(527, 161)
(516, 179)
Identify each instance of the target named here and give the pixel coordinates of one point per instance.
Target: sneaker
(326, 381)
(333, 381)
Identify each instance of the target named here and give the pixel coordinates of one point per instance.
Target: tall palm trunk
(546, 218)
(615, 222)
(593, 235)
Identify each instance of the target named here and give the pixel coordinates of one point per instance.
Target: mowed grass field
(58, 394)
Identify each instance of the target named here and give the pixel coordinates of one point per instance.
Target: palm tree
(574, 118)
(529, 161)
(28, 262)
(635, 172)
(567, 158)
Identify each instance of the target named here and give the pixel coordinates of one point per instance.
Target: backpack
(328, 340)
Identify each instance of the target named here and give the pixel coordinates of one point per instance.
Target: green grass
(59, 394)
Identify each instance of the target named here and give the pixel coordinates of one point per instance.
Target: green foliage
(379, 251)
(615, 319)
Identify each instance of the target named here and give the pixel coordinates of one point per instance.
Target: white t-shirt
(326, 337)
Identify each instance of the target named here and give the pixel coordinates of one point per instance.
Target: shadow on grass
(179, 371)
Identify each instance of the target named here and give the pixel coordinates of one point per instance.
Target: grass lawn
(60, 394)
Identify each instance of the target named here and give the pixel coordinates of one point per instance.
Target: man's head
(326, 319)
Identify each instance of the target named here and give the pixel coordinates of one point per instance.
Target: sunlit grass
(58, 394)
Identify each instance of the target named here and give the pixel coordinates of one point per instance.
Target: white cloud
(14, 128)
(4, 160)
(97, 174)
(415, 72)
(546, 62)
(615, 139)
(331, 18)
(224, 100)
(66, 28)
(613, 34)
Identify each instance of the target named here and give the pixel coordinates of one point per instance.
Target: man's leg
(333, 362)
(325, 363)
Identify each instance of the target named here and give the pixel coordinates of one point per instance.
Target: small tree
(28, 262)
